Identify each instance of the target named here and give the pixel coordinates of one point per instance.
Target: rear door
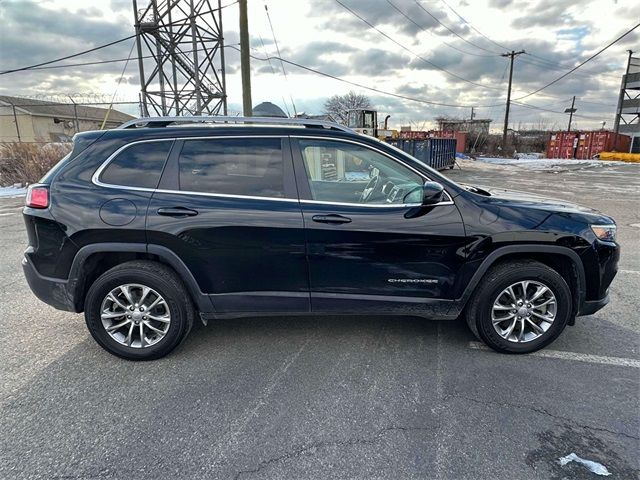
(370, 245)
(228, 207)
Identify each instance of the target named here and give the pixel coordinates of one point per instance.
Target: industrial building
(27, 120)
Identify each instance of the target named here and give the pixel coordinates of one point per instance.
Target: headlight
(605, 232)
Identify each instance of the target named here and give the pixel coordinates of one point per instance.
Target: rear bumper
(51, 291)
(590, 307)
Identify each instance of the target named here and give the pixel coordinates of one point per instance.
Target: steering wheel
(370, 189)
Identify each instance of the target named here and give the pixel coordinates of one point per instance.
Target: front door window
(341, 172)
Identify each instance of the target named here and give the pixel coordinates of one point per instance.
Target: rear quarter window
(139, 165)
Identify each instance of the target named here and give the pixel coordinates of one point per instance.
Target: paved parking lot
(329, 397)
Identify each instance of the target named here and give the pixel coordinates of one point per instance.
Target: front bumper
(51, 291)
(590, 307)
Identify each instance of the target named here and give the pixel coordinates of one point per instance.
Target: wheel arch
(93, 260)
(562, 259)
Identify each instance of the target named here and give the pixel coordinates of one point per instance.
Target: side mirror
(432, 193)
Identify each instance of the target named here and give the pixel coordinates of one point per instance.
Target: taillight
(37, 196)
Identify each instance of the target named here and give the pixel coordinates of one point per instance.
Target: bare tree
(338, 106)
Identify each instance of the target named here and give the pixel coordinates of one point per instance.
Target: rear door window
(233, 166)
(139, 165)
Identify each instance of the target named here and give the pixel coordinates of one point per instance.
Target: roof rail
(150, 122)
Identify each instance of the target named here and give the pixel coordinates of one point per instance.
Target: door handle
(177, 212)
(333, 219)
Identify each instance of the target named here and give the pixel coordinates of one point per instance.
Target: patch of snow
(12, 192)
(529, 155)
(592, 466)
(547, 163)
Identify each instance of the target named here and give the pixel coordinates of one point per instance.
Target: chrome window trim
(95, 179)
(449, 200)
(367, 205)
(226, 195)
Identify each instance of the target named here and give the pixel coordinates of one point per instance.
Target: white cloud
(323, 35)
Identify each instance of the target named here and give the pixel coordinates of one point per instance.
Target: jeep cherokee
(147, 226)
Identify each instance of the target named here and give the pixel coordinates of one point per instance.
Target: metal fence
(438, 153)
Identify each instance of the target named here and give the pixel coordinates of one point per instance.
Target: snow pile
(529, 155)
(592, 466)
(12, 192)
(553, 164)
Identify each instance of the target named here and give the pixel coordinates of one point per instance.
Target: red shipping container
(562, 145)
(592, 143)
(461, 138)
(584, 145)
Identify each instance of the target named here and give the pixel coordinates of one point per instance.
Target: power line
(359, 85)
(84, 52)
(502, 47)
(548, 61)
(412, 52)
(536, 60)
(99, 47)
(528, 105)
(273, 71)
(114, 60)
(115, 92)
(278, 50)
(582, 63)
(405, 97)
(452, 31)
(434, 35)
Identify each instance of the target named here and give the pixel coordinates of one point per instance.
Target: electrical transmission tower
(181, 57)
(628, 111)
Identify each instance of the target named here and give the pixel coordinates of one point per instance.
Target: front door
(228, 208)
(366, 250)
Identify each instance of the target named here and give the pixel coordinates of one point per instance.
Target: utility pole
(245, 66)
(15, 119)
(472, 113)
(75, 114)
(512, 55)
(571, 111)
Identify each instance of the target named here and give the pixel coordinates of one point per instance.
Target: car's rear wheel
(520, 307)
(139, 310)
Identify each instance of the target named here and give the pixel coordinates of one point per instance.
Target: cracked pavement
(327, 397)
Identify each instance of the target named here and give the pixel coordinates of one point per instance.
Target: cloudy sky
(442, 51)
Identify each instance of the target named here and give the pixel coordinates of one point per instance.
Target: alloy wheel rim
(524, 311)
(135, 315)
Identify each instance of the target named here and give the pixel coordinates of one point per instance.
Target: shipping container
(592, 143)
(585, 145)
(461, 138)
(438, 153)
(562, 145)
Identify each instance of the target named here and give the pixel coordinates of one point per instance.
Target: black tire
(478, 310)
(161, 279)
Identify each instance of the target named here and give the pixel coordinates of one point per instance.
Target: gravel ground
(329, 397)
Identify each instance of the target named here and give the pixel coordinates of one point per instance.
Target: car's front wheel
(138, 310)
(520, 307)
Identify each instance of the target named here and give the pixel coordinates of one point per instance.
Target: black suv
(148, 225)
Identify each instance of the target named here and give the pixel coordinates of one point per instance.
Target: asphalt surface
(329, 397)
